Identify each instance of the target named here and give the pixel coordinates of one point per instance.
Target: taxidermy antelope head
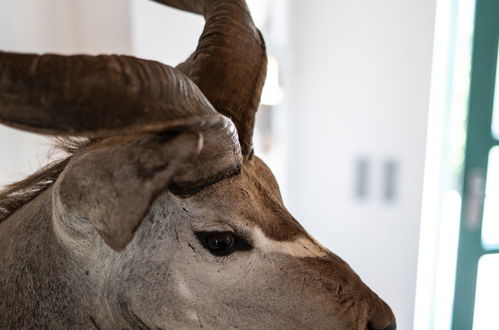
(162, 218)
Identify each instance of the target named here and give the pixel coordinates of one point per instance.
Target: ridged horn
(229, 64)
(98, 96)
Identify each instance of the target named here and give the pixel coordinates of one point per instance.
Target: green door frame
(479, 141)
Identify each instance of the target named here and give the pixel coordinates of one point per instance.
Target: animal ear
(113, 184)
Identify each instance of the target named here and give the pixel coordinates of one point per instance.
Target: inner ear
(113, 184)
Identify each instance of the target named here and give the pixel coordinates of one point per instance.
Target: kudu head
(168, 213)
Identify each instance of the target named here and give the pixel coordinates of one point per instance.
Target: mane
(15, 195)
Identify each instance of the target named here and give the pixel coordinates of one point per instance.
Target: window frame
(479, 141)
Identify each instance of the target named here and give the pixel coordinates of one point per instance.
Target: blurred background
(376, 118)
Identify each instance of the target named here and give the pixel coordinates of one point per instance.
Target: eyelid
(221, 227)
(214, 227)
(242, 233)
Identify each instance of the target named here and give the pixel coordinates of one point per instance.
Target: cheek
(257, 294)
(218, 285)
(202, 272)
(162, 295)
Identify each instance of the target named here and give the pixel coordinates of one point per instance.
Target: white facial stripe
(301, 247)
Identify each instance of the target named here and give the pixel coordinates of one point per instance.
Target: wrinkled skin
(166, 279)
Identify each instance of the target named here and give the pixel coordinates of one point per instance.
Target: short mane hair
(15, 195)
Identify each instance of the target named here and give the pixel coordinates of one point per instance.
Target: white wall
(359, 87)
(62, 26)
(162, 33)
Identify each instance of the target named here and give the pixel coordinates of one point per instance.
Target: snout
(372, 312)
(339, 297)
(392, 326)
(382, 318)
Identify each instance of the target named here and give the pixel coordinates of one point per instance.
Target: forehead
(250, 199)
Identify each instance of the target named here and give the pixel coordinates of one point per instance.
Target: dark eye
(222, 243)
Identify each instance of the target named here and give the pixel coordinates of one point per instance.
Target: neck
(40, 283)
(48, 282)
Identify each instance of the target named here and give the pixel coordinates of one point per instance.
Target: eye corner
(242, 244)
